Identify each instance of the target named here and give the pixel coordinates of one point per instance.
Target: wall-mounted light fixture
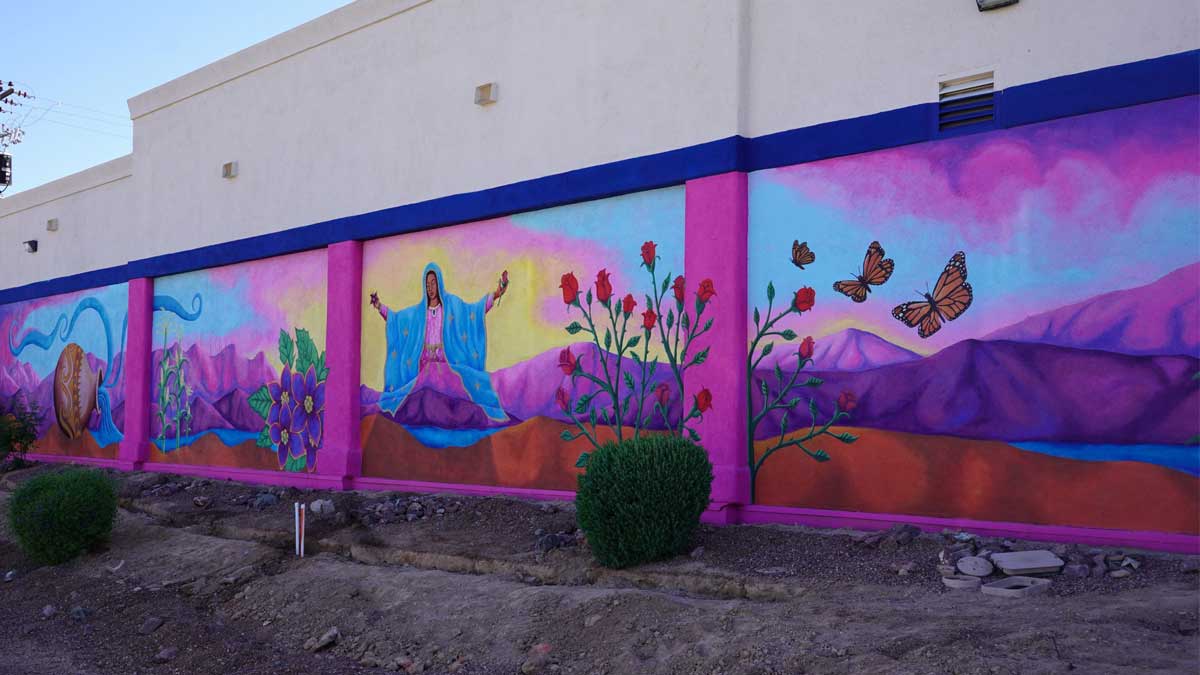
(229, 170)
(52, 225)
(486, 94)
(985, 5)
(31, 246)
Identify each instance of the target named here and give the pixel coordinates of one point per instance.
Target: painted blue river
(1184, 458)
(229, 437)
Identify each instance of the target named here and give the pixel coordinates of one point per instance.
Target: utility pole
(9, 134)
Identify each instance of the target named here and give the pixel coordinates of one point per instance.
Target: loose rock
(322, 507)
(265, 500)
(10, 575)
(79, 613)
(1077, 571)
(202, 502)
(166, 655)
(327, 640)
(1119, 573)
(49, 611)
(151, 624)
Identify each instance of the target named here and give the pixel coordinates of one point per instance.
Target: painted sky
(536, 248)
(17, 319)
(1048, 215)
(248, 304)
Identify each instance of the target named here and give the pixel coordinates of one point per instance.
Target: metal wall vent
(965, 101)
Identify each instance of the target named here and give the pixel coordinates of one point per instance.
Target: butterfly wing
(801, 254)
(876, 269)
(952, 295)
(853, 289)
(918, 314)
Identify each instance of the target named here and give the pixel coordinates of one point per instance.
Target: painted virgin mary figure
(440, 345)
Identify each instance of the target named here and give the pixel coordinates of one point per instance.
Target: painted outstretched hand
(501, 287)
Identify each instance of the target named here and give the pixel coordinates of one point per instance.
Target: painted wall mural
(1010, 320)
(464, 351)
(238, 369)
(64, 355)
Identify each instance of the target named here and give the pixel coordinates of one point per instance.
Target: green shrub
(641, 500)
(57, 516)
(18, 431)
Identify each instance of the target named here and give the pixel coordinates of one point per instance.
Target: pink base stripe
(1157, 541)
(717, 513)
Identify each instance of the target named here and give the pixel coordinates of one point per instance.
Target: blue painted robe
(464, 342)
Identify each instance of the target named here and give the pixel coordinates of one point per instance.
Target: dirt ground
(475, 585)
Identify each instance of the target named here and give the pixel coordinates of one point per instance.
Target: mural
(64, 356)
(1019, 341)
(238, 370)
(466, 366)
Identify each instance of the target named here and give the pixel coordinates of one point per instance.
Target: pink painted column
(341, 451)
(135, 446)
(716, 248)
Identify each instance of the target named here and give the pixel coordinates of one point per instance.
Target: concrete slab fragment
(975, 566)
(1016, 587)
(962, 582)
(1027, 562)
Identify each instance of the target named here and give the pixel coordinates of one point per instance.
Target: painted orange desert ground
(893, 472)
(883, 472)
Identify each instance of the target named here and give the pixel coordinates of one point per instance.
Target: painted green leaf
(846, 437)
(788, 334)
(322, 371)
(768, 349)
(607, 339)
(264, 438)
(566, 435)
(693, 435)
(755, 316)
(708, 324)
(629, 380)
(636, 358)
(813, 382)
(762, 386)
(295, 464)
(574, 327)
(633, 342)
(778, 373)
(821, 456)
(589, 297)
(670, 318)
(684, 320)
(582, 462)
(287, 351)
(260, 402)
(770, 291)
(582, 404)
(700, 358)
(812, 406)
(666, 283)
(306, 351)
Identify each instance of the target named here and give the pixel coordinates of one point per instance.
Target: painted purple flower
(285, 437)
(310, 407)
(281, 395)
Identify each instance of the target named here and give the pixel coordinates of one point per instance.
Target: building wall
(1056, 382)
(63, 359)
(231, 345)
(494, 413)
(370, 106)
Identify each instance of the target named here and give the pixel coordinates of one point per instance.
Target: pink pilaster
(715, 248)
(341, 450)
(135, 446)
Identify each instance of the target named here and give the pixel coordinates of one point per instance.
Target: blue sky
(96, 55)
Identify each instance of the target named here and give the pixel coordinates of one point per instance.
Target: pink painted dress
(434, 371)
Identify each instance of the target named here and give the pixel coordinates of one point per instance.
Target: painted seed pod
(75, 387)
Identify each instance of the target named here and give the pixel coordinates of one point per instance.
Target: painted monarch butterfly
(801, 254)
(875, 271)
(951, 296)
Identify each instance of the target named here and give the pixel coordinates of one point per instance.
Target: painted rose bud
(680, 289)
(649, 318)
(603, 287)
(704, 400)
(628, 304)
(648, 254)
(807, 346)
(570, 288)
(847, 401)
(567, 361)
(707, 290)
(805, 298)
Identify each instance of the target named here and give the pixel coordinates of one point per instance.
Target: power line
(72, 105)
(75, 126)
(82, 117)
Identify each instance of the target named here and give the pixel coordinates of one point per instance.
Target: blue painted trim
(1092, 91)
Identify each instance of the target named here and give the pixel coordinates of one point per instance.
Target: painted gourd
(75, 386)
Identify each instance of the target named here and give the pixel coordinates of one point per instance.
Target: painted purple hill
(1160, 318)
(526, 390)
(1016, 391)
(212, 376)
(847, 350)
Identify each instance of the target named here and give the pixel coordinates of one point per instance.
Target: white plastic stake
(302, 528)
(296, 508)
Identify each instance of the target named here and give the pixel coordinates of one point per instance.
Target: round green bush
(57, 516)
(641, 500)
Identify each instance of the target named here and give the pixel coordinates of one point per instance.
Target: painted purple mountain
(848, 350)
(235, 409)
(213, 376)
(526, 390)
(1159, 318)
(1015, 391)
(205, 416)
(18, 376)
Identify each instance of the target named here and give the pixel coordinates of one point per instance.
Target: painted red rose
(707, 290)
(679, 288)
(649, 318)
(603, 286)
(847, 401)
(570, 288)
(806, 347)
(628, 304)
(704, 400)
(563, 401)
(567, 361)
(648, 253)
(662, 394)
(805, 297)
